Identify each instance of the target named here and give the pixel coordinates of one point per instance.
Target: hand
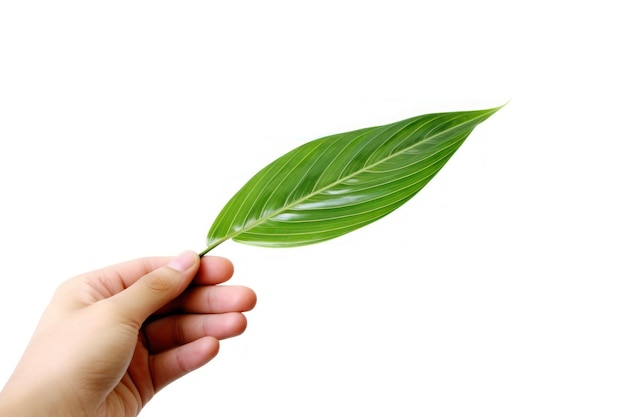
(111, 338)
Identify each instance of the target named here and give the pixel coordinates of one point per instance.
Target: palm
(134, 389)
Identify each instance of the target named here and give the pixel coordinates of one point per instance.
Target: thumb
(157, 288)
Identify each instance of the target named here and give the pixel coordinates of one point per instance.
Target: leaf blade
(339, 183)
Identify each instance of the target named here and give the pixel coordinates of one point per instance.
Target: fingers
(214, 311)
(173, 331)
(153, 290)
(214, 270)
(216, 299)
(210, 299)
(170, 365)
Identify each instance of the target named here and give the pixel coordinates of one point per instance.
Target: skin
(112, 338)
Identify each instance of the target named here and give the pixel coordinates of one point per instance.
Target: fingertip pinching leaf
(334, 185)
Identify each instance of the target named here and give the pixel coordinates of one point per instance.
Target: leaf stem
(210, 247)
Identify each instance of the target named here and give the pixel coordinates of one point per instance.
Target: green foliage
(334, 185)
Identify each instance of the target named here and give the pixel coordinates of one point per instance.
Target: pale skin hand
(111, 338)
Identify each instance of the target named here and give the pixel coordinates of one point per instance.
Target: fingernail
(183, 261)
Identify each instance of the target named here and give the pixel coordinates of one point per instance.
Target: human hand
(111, 338)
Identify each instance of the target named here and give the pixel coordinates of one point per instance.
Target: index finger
(214, 270)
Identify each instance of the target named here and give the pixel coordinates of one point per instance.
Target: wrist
(11, 404)
(17, 402)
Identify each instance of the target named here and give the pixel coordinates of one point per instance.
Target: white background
(499, 290)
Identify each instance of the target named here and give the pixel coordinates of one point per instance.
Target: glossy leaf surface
(336, 184)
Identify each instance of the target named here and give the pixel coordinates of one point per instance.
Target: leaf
(334, 185)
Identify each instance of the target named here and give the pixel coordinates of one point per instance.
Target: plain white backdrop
(498, 290)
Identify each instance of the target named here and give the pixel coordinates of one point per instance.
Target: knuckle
(159, 282)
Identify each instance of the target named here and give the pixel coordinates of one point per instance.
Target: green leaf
(337, 184)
